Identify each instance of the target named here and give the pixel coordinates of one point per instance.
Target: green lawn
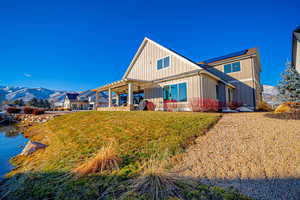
(74, 138)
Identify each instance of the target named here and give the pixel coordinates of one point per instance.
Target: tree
(289, 86)
(21, 102)
(33, 102)
(47, 104)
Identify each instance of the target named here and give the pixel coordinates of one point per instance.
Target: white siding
(155, 93)
(144, 67)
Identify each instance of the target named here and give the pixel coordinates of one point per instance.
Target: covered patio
(124, 86)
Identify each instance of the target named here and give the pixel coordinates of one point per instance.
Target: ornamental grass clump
(106, 160)
(157, 184)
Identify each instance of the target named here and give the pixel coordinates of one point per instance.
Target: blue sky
(79, 45)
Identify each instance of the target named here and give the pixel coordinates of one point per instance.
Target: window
(233, 67)
(163, 63)
(176, 92)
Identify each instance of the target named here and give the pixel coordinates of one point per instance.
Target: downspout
(253, 82)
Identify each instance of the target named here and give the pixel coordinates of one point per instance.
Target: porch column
(118, 99)
(130, 94)
(109, 97)
(96, 101)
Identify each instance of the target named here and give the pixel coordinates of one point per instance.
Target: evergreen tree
(289, 86)
(47, 104)
(33, 102)
(41, 103)
(21, 102)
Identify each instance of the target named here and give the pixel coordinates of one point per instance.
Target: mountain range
(11, 93)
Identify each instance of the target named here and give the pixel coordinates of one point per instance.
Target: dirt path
(257, 155)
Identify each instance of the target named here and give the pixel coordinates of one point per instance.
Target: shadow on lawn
(284, 116)
(57, 185)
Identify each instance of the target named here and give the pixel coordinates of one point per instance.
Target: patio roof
(122, 84)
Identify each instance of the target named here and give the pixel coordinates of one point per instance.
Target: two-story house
(162, 74)
(296, 49)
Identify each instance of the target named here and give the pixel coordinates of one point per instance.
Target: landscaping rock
(32, 147)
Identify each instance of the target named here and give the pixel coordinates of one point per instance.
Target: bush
(13, 110)
(204, 105)
(38, 111)
(264, 107)
(150, 106)
(170, 105)
(28, 110)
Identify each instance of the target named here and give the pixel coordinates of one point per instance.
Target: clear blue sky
(78, 45)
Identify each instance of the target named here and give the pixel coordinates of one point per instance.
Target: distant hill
(10, 93)
(270, 95)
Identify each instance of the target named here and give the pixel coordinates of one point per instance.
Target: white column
(96, 101)
(130, 94)
(118, 99)
(109, 97)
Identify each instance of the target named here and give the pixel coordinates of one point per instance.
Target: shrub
(38, 111)
(264, 106)
(170, 105)
(150, 106)
(204, 105)
(13, 110)
(234, 105)
(28, 110)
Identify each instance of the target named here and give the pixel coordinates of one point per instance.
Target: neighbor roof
(72, 96)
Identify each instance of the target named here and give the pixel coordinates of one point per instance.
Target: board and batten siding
(144, 68)
(155, 92)
(209, 87)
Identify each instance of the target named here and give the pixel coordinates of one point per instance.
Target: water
(11, 144)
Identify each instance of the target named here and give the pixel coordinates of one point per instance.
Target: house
(84, 100)
(72, 102)
(163, 75)
(296, 49)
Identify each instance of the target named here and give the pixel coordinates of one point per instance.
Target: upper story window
(232, 67)
(163, 63)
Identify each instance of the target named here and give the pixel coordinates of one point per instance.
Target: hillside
(15, 93)
(76, 139)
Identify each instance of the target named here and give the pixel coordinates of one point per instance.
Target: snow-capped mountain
(16, 93)
(270, 95)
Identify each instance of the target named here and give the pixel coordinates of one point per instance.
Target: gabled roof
(72, 96)
(140, 49)
(196, 65)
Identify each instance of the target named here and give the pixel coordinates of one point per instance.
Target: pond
(11, 144)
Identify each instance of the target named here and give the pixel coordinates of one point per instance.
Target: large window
(176, 92)
(163, 63)
(233, 67)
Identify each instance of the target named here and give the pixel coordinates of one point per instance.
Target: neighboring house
(164, 75)
(84, 100)
(296, 49)
(72, 102)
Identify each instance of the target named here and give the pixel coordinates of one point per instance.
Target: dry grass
(156, 183)
(254, 153)
(106, 160)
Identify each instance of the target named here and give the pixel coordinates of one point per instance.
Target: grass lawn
(75, 138)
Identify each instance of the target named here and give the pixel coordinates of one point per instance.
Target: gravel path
(257, 155)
